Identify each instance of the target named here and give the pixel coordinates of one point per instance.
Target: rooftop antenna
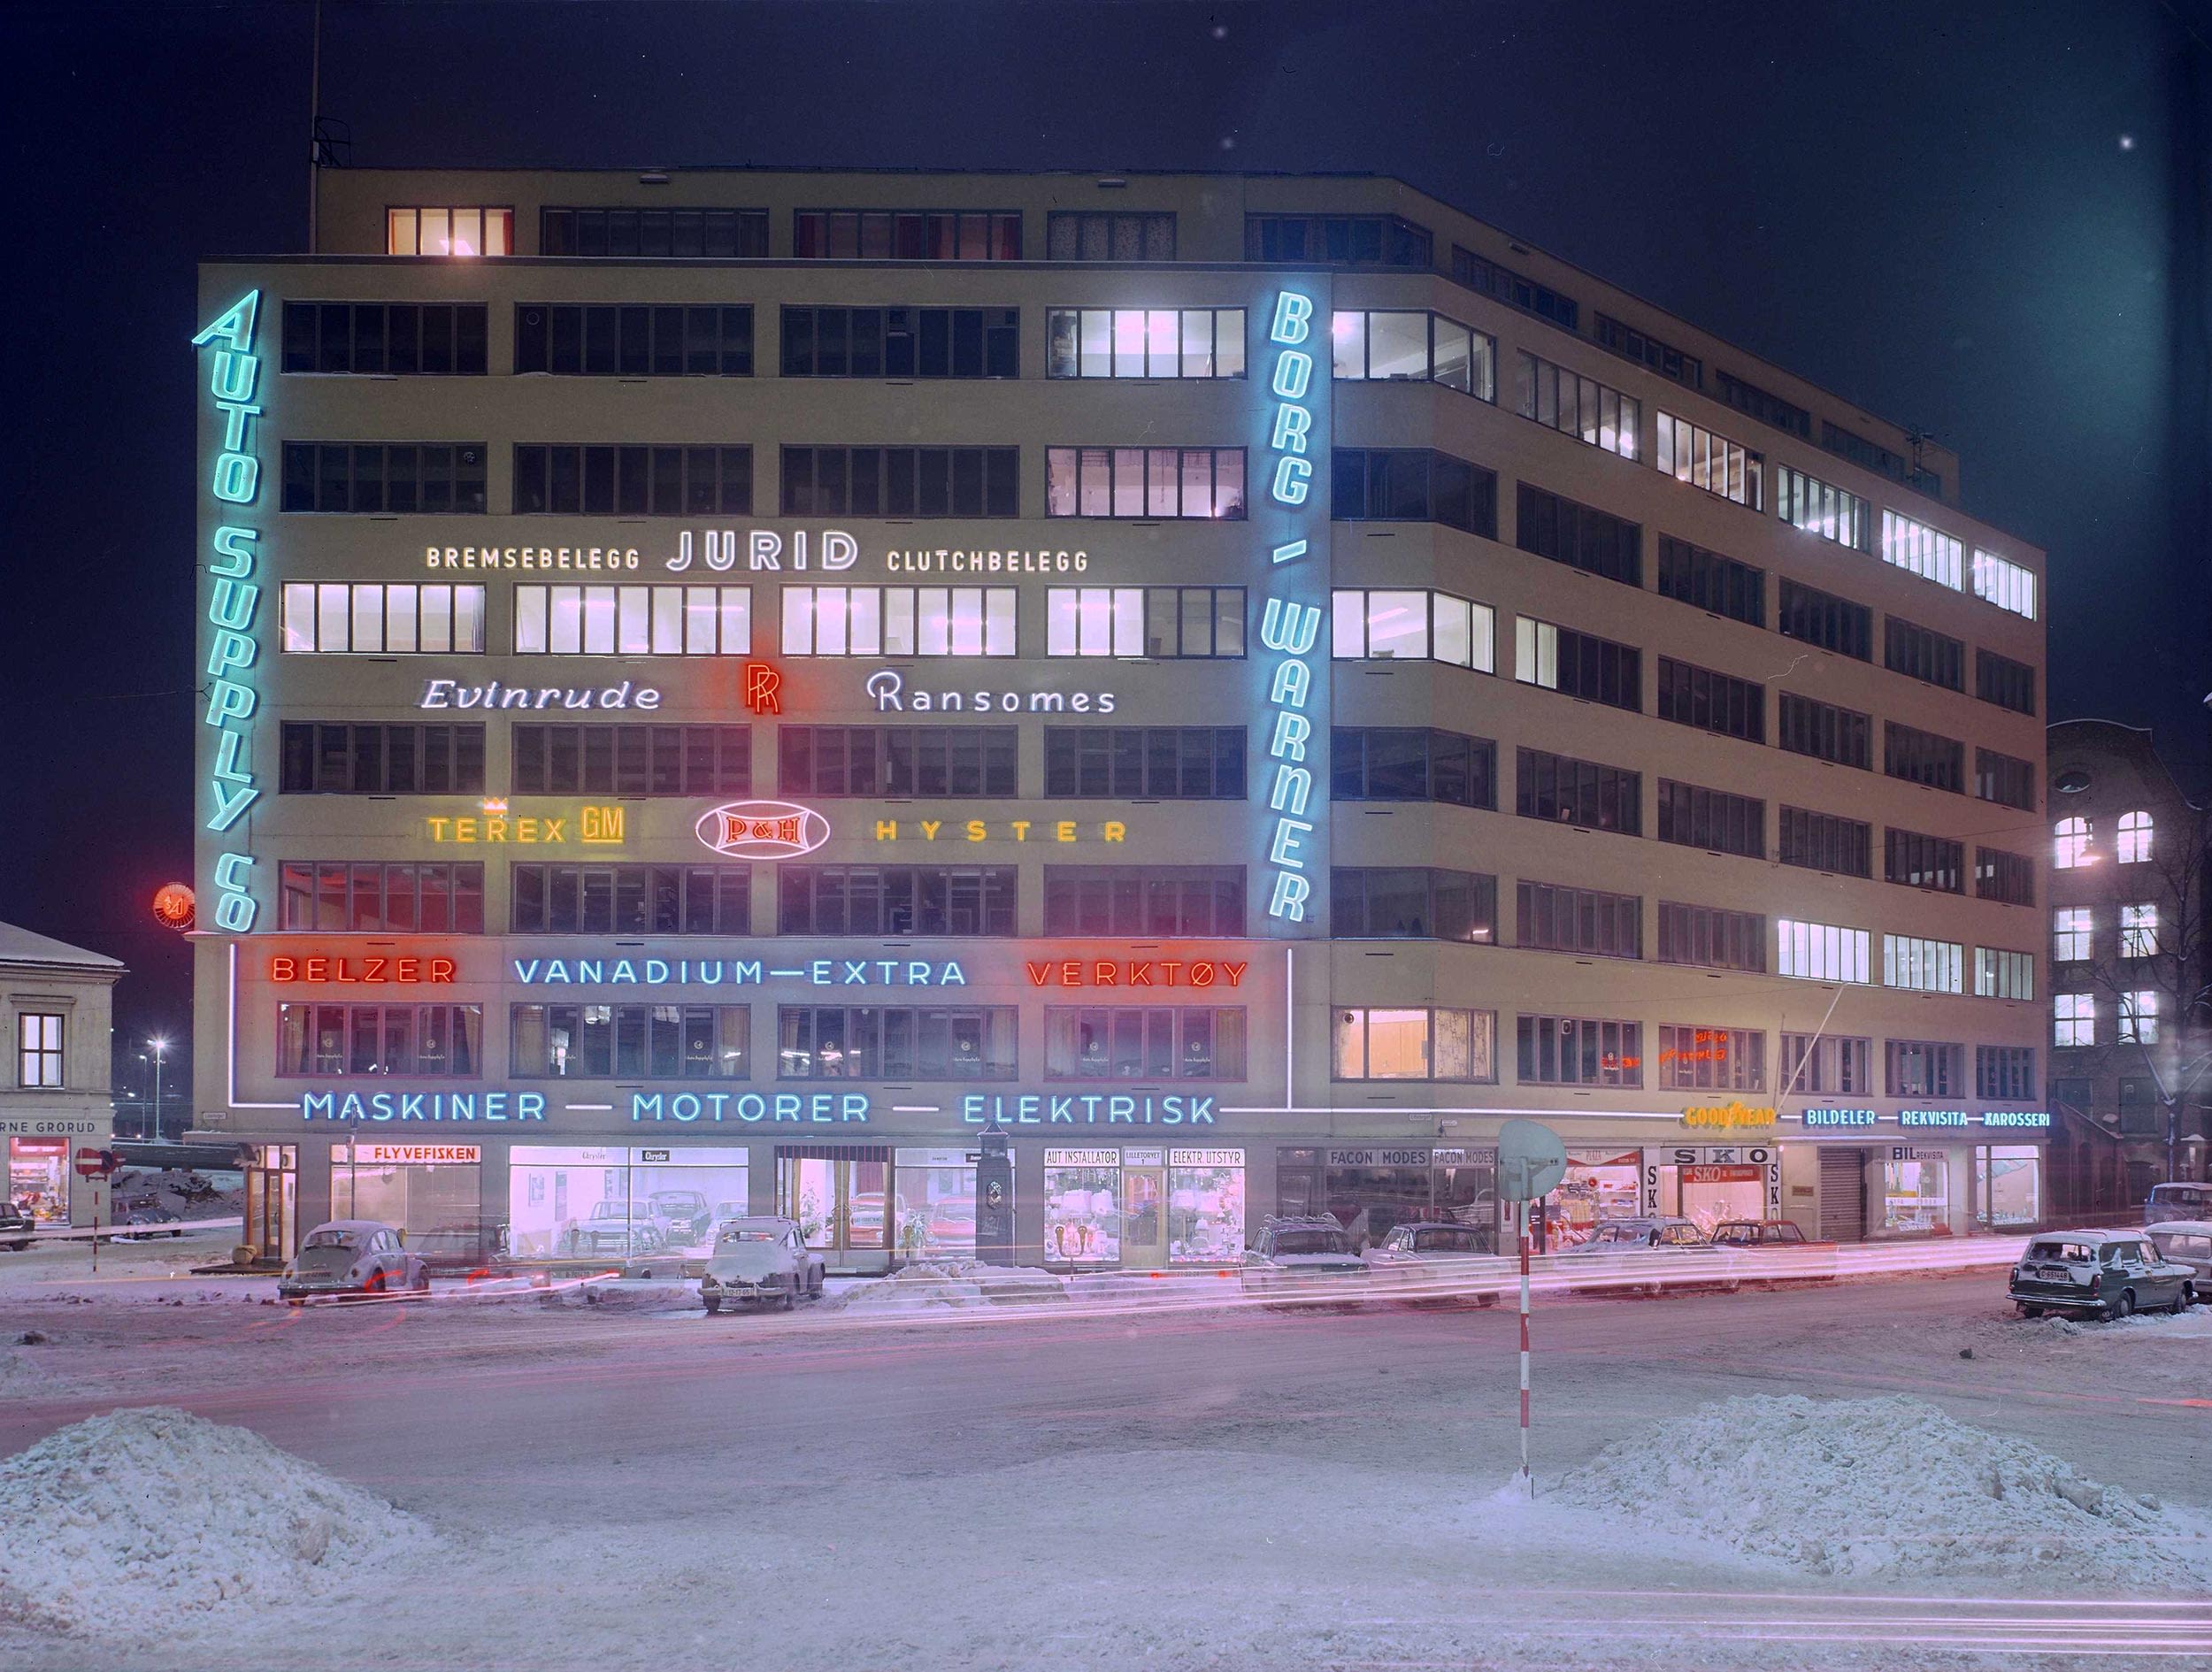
(329, 142)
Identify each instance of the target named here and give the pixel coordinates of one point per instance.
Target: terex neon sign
(1288, 627)
(233, 375)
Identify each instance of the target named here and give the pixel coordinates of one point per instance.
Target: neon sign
(1098, 1108)
(1931, 1118)
(977, 829)
(887, 686)
(1135, 972)
(1839, 1117)
(817, 1108)
(530, 556)
(764, 688)
(422, 1106)
(446, 694)
(594, 827)
(1288, 627)
(718, 548)
(2034, 1118)
(347, 971)
(763, 830)
(738, 972)
(1727, 1115)
(233, 602)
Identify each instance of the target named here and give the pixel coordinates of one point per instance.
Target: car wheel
(2122, 1305)
(2027, 1311)
(422, 1281)
(2184, 1297)
(815, 1288)
(791, 1295)
(712, 1305)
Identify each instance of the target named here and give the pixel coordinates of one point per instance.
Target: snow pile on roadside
(147, 1514)
(939, 1284)
(1887, 1486)
(2193, 1324)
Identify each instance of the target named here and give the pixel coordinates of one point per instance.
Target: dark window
(1412, 763)
(1925, 1067)
(632, 481)
(729, 233)
(337, 896)
(385, 339)
(634, 340)
(1412, 903)
(1144, 899)
(1825, 841)
(1925, 862)
(1824, 619)
(1712, 938)
(1084, 234)
(894, 900)
(1503, 284)
(1583, 793)
(629, 1041)
(1768, 408)
(896, 760)
(906, 235)
(1824, 731)
(1567, 1050)
(1413, 485)
(1921, 653)
(1712, 581)
(1923, 757)
(1164, 763)
(1712, 819)
(633, 760)
(1579, 664)
(2001, 876)
(2138, 1111)
(901, 481)
(1712, 701)
(2005, 1073)
(1555, 919)
(902, 342)
(2003, 779)
(1373, 240)
(378, 478)
(2006, 683)
(1874, 457)
(1712, 1059)
(441, 1041)
(663, 900)
(895, 1042)
(1827, 1065)
(1149, 1042)
(1632, 344)
(1579, 536)
(342, 759)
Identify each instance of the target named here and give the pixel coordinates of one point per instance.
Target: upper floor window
(1999, 974)
(1712, 1059)
(447, 231)
(1768, 408)
(896, 760)
(2005, 1073)
(1554, 917)
(1414, 348)
(2005, 584)
(1185, 482)
(2131, 845)
(1874, 457)
(898, 621)
(379, 478)
(1479, 273)
(894, 900)
(1417, 1044)
(1160, 622)
(1579, 664)
(1712, 581)
(1412, 626)
(1820, 951)
(383, 1039)
(1695, 816)
(1826, 841)
(2009, 878)
(895, 1042)
(2006, 683)
(340, 759)
(1648, 351)
(1149, 762)
(1925, 862)
(1412, 902)
(2138, 930)
(2138, 1017)
(400, 617)
(1154, 1042)
(1820, 508)
(2070, 846)
(601, 900)
(1699, 457)
(1923, 757)
(356, 897)
(1571, 1050)
(906, 235)
(1144, 899)
(901, 481)
(1822, 618)
(2074, 1019)
(572, 478)
(614, 231)
(600, 759)
(38, 1054)
(1104, 235)
(902, 342)
(2073, 934)
(1412, 763)
(1922, 965)
(1580, 792)
(631, 340)
(1923, 1068)
(385, 339)
(1712, 937)
(1561, 398)
(1412, 485)
(1824, 731)
(629, 1041)
(1580, 536)
(1927, 552)
(1922, 654)
(2005, 779)
(633, 621)
(1382, 240)
(1144, 342)
(1827, 1064)
(1711, 701)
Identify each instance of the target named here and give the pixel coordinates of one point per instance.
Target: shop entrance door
(1842, 1194)
(1143, 1215)
(840, 1195)
(272, 1218)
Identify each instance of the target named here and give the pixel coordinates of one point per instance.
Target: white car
(352, 1256)
(759, 1259)
(1440, 1262)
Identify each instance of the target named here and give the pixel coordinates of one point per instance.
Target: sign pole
(1527, 1479)
(1530, 1161)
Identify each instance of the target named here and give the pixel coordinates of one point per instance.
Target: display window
(1712, 1194)
(596, 1201)
(432, 1190)
(1082, 1206)
(935, 1188)
(1464, 1185)
(1205, 1206)
(839, 1196)
(1915, 1193)
(2008, 1185)
(38, 1178)
(1600, 1184)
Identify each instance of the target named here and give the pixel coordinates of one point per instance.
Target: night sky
(1989, 219)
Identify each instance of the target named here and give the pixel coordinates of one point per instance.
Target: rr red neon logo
(764, 688)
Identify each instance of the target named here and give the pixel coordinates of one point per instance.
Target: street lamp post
(161, 1049)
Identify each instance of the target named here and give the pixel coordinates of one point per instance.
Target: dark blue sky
(1988, 218)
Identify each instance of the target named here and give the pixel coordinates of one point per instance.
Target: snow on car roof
(2180, 1228)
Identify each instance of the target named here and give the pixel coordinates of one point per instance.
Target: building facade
(57, 999)
(2129, 972)
(737, 689)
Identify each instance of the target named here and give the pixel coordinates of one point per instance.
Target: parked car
(2105, 1274)
(2170, 1201)
(756, 1259)
(685, 1213)
(611, 1230)
(2186, 1242)
(1650, 1254)
(1440, 1262)
(1782, 1241)
(149, 1213)
(466, 1247)
(16, 1226)
(352, 1256)
(1305, 1256)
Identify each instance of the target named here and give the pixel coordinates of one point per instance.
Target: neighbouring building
(793, 691)
(58, 1000)
(2131, 971)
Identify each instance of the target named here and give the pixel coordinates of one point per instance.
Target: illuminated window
(898, 621)
(1145, 343)
(1999, 974)
(1927, 552)
(2005, 584)
(1923, 1068)
(1379, 240)
(1579, 664)
(337, 618)
(1579, 793)
(1560, 398)
(1157, 762)
(632, 339)
(379, 478)
(629, 1041)
(1571, 1050)
(597, 231)
(1414, 348)
(335, 758)
(2074, 1019)
(603, 900)
(2138, 1018)
(1712, 581)
(1144, 1042)
(1160, 622)
(902, 342)
(906, 235)
(1820, 951)
(338, 896)
(633, 621)
(571, 479)
(2138, 931)
(1417, 626)
(1691, 454)
(1920, 965)
(599, 759)
(1099, 234)
(1412, 903)
(1145, 482)
(319, 1041)
(900, 760)
(385, 339)
(1712, 1059)
(896, 900)
(2132, 843)
(38, 1056)
(1144, 899)
(2072, 934)
(895, 1042)
(901, 481)
(2069, 845)
(1580, 536)
(1421, 1044)
(472, 231)
(1806, 502)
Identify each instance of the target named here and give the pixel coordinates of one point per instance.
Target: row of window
(2074, 932)
(2135, 1016)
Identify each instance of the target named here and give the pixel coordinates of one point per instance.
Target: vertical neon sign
(1290, 621)
(234, 597)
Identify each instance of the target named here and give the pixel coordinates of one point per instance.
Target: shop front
(433, 1190)
(841, 1196)
(1371, 1188)
(38, 1178)
(1603, 1183)
(1710, 1185)
(601, 1201)
(1205, 1206)
(272, 1174)
(2007, 1187)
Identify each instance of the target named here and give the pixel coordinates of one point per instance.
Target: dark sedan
(2104, 1274)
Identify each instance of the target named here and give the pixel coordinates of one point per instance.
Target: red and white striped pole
(1527, 1479)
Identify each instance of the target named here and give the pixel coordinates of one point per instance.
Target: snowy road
(1202, 1490)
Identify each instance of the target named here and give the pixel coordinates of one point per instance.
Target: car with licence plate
(1304, 1257)
(2099, 1274)
(760, 1260)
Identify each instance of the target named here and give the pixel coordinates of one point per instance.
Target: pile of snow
(938, 1285)
(1887, 1487)
(145, 1514)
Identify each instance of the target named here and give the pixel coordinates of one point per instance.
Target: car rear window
(1294, 1242)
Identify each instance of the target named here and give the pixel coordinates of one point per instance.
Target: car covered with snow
(461, 1248)
(1303, 1254)
(756, 1259)
(2104, 1274)
(1436, 1260)
(2186, 1242)
(1772, 1249)
(1649, 1255)
(350, 1257)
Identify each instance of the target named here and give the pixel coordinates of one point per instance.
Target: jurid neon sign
(1289, 627)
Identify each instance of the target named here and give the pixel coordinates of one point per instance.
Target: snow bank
(144, 1514)
(939, 1284)
(1887, 1486)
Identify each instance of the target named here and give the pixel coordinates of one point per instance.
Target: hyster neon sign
(233, 375)
(1289, 627)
